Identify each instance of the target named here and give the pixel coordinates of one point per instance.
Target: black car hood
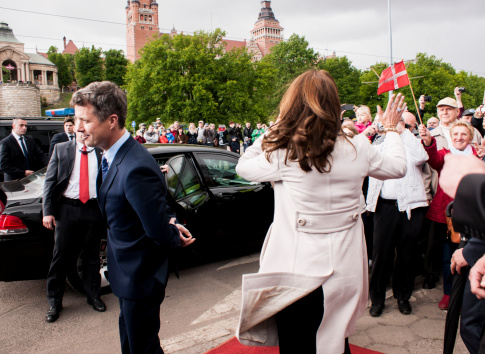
(19, 193)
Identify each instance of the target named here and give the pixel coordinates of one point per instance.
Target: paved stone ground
(392, 332)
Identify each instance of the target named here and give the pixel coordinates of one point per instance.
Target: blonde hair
(463, 124)
(365, 110)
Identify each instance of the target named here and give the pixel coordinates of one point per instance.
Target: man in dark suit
(141, 230)
(63, 137)
(70, 205)
(19, 154)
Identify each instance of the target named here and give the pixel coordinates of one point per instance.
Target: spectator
(192, 134)
(477, 120)
(234, 145)
(461, 136)
(170, 136)
(467, 117)
(19, 154)
(399, 206)
(139, 137)
(163, 137)
(350, 131)
(231, 131)
(246, 143)
(209, 135)
(222, 139)
(248, 133)
(200, 132)
(239, 132)
(364, 118)
(151, 136)
(68, 134)
(174, 129)
(142, 128)
(432, 123)
(257, 132)
(181, 137)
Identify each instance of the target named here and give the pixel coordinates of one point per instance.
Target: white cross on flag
(393, 78)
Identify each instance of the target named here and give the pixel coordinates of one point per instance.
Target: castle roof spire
(266, 11)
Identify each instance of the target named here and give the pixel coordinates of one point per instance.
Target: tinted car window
(182, 179)
(222, 171)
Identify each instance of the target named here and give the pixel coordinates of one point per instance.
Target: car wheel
(74, 275)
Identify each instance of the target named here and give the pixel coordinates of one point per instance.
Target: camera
(427, 98)
(461, 89)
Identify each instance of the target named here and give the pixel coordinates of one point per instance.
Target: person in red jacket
(163, 137)
(461, 136)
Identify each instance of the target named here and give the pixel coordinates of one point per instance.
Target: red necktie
(84, 177)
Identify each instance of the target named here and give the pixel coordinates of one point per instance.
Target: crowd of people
(233, 138)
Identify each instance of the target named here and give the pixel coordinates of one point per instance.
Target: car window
(222, 170)
(182, 179)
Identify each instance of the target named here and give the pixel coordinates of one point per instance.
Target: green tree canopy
(115, 65)
(63, 70)
(89, 66)
(190, 78)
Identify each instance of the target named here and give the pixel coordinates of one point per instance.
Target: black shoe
(376, 310)
(404, 307)
(429, 282)
(53, 314)
(98, 304)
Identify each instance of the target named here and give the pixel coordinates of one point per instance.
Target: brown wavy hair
(309, 122)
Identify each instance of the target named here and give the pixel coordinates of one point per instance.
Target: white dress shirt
(111, 152)
(72, 190)
(17, 137)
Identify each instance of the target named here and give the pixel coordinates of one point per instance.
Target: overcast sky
(450, 30)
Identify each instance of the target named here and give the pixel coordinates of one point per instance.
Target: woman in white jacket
(312, 283)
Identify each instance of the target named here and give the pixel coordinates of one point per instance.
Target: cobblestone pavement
(392, 332)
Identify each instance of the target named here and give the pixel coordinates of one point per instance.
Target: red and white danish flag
(393, 78)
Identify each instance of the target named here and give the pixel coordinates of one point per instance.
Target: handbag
(454, 236)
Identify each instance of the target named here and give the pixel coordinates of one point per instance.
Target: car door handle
(227, 196)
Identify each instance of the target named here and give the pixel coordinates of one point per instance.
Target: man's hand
(164, 168)
(425, 134)
(186, 238)
(455, 168)
(478, 112)
(458, 96)
(370, 131)
(49, 222)
(458, 261)
(422, 102)
(28, 172)
(477, 278)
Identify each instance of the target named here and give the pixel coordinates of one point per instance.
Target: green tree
(115, 65)
(89, 66)
(190, 78)
(289, 58)
(71, 63)
(63, 71)
(346, 76)
(368, 89)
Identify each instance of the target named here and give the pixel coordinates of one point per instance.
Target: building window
(149, 28)
(142, 27)
(150, 18)
(141, 17)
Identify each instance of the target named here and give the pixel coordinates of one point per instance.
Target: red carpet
(233, 346)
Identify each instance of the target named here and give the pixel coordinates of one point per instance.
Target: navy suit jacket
(132, 199)
(12, 160)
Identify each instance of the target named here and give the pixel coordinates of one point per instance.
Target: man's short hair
(106, 98)
(69, 120)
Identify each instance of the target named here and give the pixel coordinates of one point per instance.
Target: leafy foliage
(189, 78)
(89, 66)
(116, 66)
(63, 70)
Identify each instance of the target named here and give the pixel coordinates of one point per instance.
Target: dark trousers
(472, 322)
(139, 325)
(395, 237)
(78, 228)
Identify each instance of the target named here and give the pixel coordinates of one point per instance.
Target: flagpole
(390, 39)
(414, 98)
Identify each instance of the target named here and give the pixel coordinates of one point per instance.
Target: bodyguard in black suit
(141, 230)
(19, 154)
(63, 137)
(70, 206)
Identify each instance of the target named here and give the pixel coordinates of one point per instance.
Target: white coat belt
(327, 221)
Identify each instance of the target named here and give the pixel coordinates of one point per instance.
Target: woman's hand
(425, 135)
(478, 112)
(393, 112)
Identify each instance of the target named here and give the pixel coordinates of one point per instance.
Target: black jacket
(56, 139)
(13, 162)
(247, 132)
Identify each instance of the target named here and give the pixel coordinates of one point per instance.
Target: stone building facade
(142, 24)
(27, 71)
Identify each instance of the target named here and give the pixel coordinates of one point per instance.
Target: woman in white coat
(312, 283)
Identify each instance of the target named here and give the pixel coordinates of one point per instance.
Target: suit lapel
(104, 185)
(15, 145)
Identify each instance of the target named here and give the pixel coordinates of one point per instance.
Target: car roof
(32, 120)
(172, 149)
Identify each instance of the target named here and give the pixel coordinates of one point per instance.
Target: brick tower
(141, 25)
(266, 33)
